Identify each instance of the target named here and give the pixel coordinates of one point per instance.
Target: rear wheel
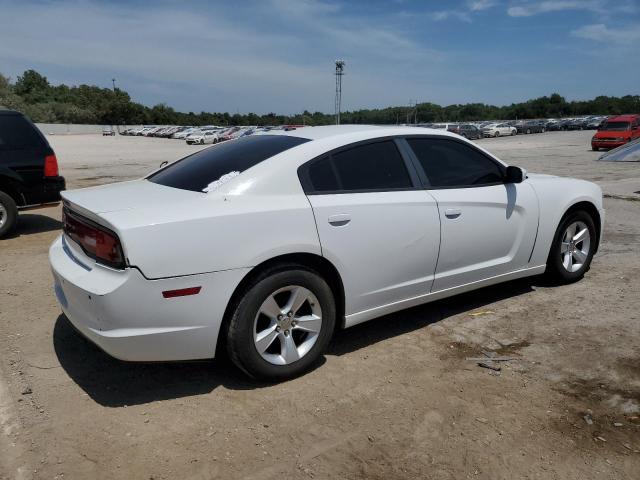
(8, 214)
(513, 132)
(572, 248)
(528, 131)
(282, 323)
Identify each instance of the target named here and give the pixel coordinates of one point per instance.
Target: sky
(278, 55)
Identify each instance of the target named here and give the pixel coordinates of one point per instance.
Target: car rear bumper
(126, 314)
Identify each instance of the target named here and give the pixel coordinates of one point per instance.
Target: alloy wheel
(575, 246)
(287, 325)
(3, 215)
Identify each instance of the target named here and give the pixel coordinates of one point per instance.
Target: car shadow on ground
(30, 223)
(114, 383)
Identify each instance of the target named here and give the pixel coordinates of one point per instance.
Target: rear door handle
(452, 212)
(340, 219)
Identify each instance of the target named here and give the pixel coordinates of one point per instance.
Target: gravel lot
(394, 398)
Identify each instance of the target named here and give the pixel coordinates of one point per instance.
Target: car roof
(363, 132)
(7, 111)
(622, 118)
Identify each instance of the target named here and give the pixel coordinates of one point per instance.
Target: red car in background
(616, 131)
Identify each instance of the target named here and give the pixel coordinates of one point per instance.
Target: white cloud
(601, 33)
(548, 6)
(464, 13)
(479, 5)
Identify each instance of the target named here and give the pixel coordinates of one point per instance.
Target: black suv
(28, 169)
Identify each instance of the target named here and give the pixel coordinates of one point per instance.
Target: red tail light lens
(96, 241)
(50, 166)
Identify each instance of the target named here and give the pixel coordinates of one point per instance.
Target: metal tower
(339, 72)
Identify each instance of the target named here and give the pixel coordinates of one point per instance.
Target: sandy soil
(393, 398)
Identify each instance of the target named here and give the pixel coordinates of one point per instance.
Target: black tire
(528, 131)
(513, 132)
(497, 134)
(240, 330)
(9, 214)
(555, 269)
(595, 149)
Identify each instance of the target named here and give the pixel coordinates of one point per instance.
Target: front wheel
(497, 134)
(513, 132)
(572, 248)
(282, 324)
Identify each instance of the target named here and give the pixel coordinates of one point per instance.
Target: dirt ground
(393, 398)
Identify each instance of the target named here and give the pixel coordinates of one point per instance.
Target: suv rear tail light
(50, 166)
(96, 241)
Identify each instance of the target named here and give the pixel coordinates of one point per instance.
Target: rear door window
(196, 172)
(16, 132)
(375, 166)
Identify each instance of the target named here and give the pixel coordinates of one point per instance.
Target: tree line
(33, 95)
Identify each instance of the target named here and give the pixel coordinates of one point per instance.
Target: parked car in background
(29, 175)
(616, 131)
(531, 126)
(576, 124)
(498, 129)
(258, 242)
(467, 130)
(108, 131)
(204, 137)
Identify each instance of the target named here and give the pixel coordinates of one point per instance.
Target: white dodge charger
(266, 244)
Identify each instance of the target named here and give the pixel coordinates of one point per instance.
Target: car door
(375, 223)
(488, 227)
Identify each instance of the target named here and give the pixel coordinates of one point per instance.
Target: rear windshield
(198, 171)
(615, 126)
(18, 132)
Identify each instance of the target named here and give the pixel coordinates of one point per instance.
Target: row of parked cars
(476, 130)
(207, 134)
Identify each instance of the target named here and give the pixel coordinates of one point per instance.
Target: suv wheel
(282, 323)
(8, 214)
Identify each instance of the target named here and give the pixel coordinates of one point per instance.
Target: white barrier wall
(75, 129)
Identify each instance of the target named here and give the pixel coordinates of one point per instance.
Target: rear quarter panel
(218, 233)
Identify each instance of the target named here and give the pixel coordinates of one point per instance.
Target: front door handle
(452, 213)
(340, 219)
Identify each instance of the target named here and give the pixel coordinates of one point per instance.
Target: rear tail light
(96, 241)
(50, 166)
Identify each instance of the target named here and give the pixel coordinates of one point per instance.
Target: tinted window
(197, 171)
(17, 132)
(375, 166)
(322, 176)
(450, 164)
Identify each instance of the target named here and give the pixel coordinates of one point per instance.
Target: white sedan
(264, 245)
(203, 137)
(498, 129)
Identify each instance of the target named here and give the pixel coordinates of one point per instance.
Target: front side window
(196, 172)
(448, 163)
(615, 126)
(372, 167)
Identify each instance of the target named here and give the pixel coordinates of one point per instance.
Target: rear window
(18, 132)
(196, 172)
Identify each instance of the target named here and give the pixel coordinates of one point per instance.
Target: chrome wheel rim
(3, 215)
(287, 325)
(575, 245)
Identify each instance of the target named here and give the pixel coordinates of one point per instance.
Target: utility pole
(340, 64)
(113, 81)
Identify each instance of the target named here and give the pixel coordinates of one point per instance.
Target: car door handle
(340, 219)
(452, 212)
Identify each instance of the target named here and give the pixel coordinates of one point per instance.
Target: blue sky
(277, 55)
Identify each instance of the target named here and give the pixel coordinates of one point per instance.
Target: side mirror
(515, 174)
